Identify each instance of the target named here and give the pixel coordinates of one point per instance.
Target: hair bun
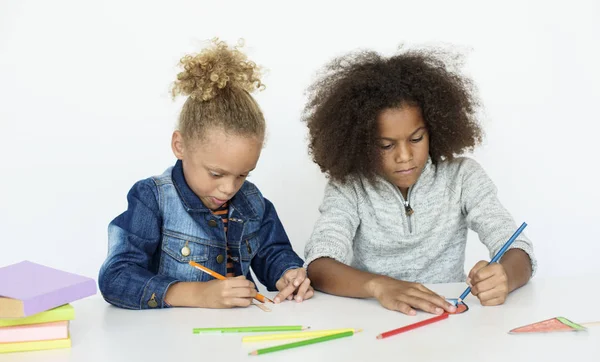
(216, 67)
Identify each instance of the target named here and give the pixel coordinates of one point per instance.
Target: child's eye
(386, 147)
(215, 175)
(417, 140)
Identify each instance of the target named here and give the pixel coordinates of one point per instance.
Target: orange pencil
(259, 297)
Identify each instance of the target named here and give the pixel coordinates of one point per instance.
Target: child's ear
(177, 145)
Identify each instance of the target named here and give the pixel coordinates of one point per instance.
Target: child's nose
(228, 188)
(403, 153)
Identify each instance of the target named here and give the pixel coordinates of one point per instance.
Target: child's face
(404, 145)
(216, 166)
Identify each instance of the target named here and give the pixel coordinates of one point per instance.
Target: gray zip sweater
(365, 225)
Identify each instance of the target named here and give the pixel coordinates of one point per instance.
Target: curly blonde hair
(218, 82)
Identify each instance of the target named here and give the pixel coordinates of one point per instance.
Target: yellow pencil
(311, 334)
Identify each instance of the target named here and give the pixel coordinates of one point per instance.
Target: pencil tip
(305, 328)
(358, 330)
(379, 336)
(253, 353)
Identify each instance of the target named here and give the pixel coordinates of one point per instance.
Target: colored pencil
(262, 306)
(590, 324)
(298, 335)
(250, 329)
(301, 343)
(413, 326)
(497, 256)
(214, 274)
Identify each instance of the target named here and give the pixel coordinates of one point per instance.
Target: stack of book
(34, 306)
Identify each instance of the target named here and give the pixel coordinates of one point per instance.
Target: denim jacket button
(212, 223)
(152, 303)
(220, 258)
(185, 251)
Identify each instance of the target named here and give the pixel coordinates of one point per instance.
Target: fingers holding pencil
(489, 281)
(490, 284)
(230, 293)
(239, 287)
(257, 296)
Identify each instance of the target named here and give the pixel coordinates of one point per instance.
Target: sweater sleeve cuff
(332, 253)
(526, 247)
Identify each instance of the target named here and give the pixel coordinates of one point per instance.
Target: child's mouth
(407, 171)
(218, 201)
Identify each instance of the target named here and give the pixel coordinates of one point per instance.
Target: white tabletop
(101, 332)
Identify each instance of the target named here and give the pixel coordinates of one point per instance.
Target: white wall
(85, 109)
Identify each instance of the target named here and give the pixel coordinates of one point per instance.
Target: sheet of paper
(557, 324)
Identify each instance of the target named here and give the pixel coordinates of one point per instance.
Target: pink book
(35, 332)
(28, 288)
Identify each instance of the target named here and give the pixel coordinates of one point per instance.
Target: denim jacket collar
(193, 203)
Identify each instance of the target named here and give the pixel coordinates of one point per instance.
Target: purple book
(28, 288)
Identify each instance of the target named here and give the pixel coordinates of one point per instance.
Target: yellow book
(63, 313)
(35, 346)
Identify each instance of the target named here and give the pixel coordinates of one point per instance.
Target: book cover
(63, 313)
(35, 332)
(35, 346)
(27, 288)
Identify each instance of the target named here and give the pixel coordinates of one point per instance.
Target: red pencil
(413, 326)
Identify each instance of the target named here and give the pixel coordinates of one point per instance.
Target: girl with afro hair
(388, 133)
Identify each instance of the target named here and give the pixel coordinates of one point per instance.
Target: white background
(85, 109)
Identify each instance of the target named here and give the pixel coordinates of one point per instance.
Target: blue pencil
(497, 256)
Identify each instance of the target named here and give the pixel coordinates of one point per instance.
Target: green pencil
(250, 329)
(301, 343)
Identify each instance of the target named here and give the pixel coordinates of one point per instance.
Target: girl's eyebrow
(417, 130)
(221, 171)
(411, 135)
(216, 169)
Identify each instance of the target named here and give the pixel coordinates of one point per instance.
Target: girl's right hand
(403, 296)
(230, 293)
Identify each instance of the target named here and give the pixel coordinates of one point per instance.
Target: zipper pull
(248, 246)
(409, 211)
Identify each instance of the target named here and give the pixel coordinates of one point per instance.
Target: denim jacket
(147, 243)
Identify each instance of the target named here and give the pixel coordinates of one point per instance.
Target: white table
(104, 333)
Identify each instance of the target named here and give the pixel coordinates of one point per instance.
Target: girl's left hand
(294, 280)
(489, 283)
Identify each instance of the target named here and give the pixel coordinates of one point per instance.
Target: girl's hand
(294, 280)
(230, 293)
(403, 296)
(489, 283)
